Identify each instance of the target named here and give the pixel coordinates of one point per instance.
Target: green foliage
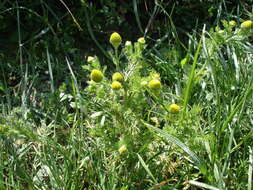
(62, 127)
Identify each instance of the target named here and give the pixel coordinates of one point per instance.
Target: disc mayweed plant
(124, 98)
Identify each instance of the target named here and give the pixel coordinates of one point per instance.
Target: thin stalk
(117, 59)
(50, 71)
(24, 84)
(137, 15)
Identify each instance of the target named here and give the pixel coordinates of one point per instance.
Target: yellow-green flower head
(141, 40)
(115, 40)
(90, 59)
(116, 85)
(118, 77)
(246, 24)
(96, 75)
(155, 84)
(232, 23)
(174, 108)
(122, 149)
(128, 43)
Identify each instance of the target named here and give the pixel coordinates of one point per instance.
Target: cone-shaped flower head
(96, 75)
(115, 40)
(174, 108)
(155, 84)
(118, 77)
(116, 85)
(247, 24)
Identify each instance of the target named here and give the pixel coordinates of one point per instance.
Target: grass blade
(87, 19)
(146, 168)
(50, 71)
(250, 169)
(137, 16)
(191, 77)
(202, 185)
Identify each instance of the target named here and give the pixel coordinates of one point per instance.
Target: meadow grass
(129, 136)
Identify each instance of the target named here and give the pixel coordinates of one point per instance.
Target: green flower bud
(144, 83)
(90, 59)
(232, 23)
(128, 43)
(141, 40)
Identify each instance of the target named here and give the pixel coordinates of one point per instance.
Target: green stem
(117, 59)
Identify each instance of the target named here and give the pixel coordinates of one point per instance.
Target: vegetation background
(58, 130)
